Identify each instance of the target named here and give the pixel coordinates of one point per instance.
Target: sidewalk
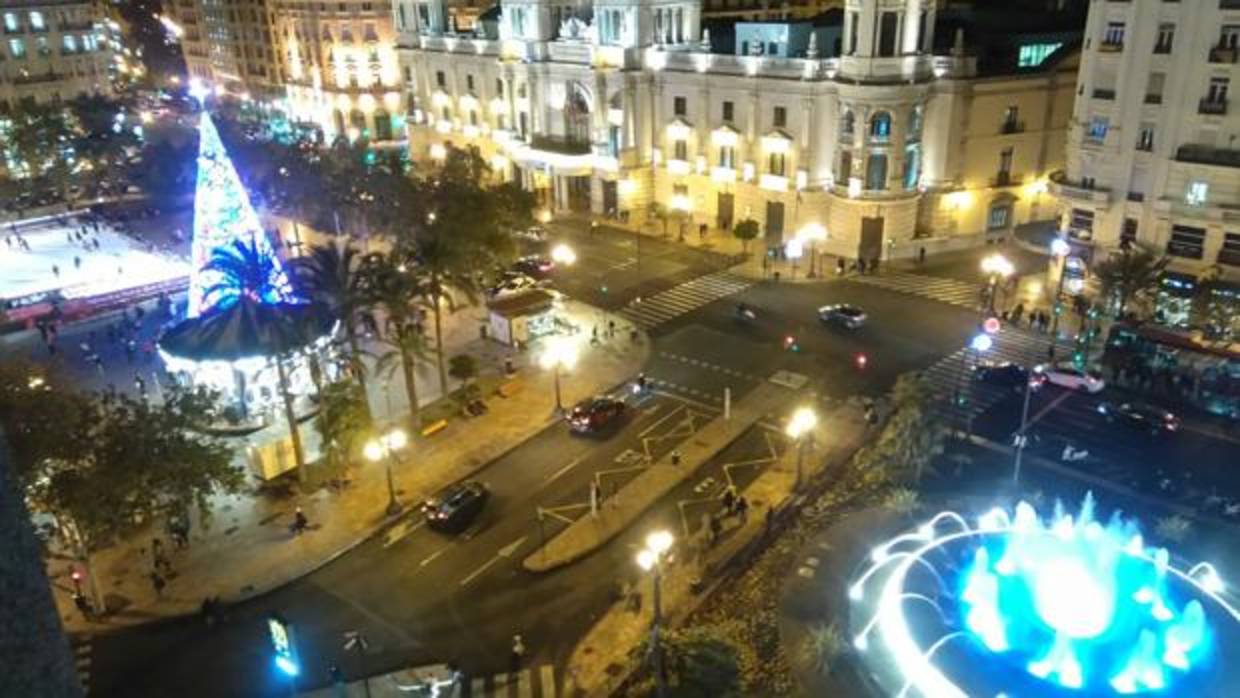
(590, 533)
(600, 661)
(249, 548)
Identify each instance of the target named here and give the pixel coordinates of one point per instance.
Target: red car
(595, 414)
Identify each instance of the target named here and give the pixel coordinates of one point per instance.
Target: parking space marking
(554, 476)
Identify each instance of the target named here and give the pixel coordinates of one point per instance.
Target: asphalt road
(422, 597)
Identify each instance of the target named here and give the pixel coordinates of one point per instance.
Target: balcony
(36, 79)
(1212, 106)
(77, 26)
(1222, 54)
(1208, 155)
(1010, 127)
(1104, 94)
(1153, 99)
(1229, 4)
(1110, 47)
(1229, 257)
(1002, 179)
(1162, 49)
(1061, 187)
(561, 145)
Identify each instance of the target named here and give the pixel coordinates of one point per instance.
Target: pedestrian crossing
(687, 297)
(81, 660)
(952, 291)
(528, 683)
(952, 376)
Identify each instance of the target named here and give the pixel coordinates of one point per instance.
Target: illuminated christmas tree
(222, 216)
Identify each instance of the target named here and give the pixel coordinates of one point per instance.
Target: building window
(1229, 37)
(469, 82)
(10, 22)
(845, 173)
(441, 79)
(775, 164)
(999, 216)
(1011, 120)
(681, 150)
(1145, 138)
(473, 117)
(17, 48)
(1033, 55)
(1114, 35)
(69, 42)
(876, 172)
(848, 123)
(912, 167)
(727, 112)
(727, 157)
(1166, 37)
(1081, 223)
(780, 117)
(1128, 234)
(499, 87)
(613, 141)
(1098, 127)
(880, 126)
(1005, 166)
(1197, 193)
(523, 124)
(1154, 89)
(679, 106)
(36, 21)
(914, 123)
(1187, 242)
(1217, 93)
(887, 24)
(1229, 254)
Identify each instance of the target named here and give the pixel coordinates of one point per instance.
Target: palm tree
(393, 287)
(250, 275)
(331, 275)
(1130, 275)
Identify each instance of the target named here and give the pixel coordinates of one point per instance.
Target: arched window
(876, 172)
(914, 122)
(383, 125)
(880, 126)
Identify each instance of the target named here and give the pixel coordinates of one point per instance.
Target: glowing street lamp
(812, 233)
(559, 354)
(996, 265)
(1061, 249)
(385, 446)
(563, 254)
(799, 426)
(650, 559)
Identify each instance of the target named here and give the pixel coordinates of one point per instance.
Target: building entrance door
(870, 245)
(774, 224)
(726, 202)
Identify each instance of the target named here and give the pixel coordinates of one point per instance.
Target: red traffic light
(77, 575)
(861, 360)
(991, 325)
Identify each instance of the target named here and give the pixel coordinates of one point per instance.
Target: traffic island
(593, 531)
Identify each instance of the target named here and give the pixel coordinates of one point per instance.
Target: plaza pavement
(249, 547)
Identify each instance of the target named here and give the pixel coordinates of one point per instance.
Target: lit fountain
(1026, 607)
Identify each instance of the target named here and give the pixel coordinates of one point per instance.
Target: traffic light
(790, 344)
(861, 361)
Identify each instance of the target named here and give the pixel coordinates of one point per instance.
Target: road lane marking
(504, 553)
(660, 420)
(547, 675)
(553, 476)
(1052, 405)
(431, 558)
(401, 531)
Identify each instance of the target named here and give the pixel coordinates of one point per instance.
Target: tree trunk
(411, 385)
(294, 433)
(439, 357)
(359, 371)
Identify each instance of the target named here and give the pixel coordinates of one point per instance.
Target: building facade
(620, 107)
(52, 51)
(1153, 156)
(231, 45)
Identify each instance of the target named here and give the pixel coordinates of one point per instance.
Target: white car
(513, 284)
(842, 314)
(1073, 378)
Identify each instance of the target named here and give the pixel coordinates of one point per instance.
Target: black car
(1008, 375)
(536, 266)
(1142, 416)
(453, 509)
(595, 414)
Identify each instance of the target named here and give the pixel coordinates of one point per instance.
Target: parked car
(512, 284)
(534, 233)
(849, 316)
(456, 507)
(1073, 378)
(1143, 416)
(594, 414)
(534, 265)
(1008, 375)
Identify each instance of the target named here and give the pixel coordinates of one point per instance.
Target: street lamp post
(996, 265)
(1060, 248)
(1020, 433)
(385, 446)
(812, 233)
(650, 559)
(559, 354)
(799, 427)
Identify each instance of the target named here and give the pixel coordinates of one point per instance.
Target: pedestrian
(208, 611)
(158, 558)
(611, 329)
(742, 509)
(56, 271)
(77, 262)
(594, 335)
(139, 385)
(517, 655)
(921, 255)
(98, 364)
(1050, 352)
(874, 265)
(839, 267)
(860, 265)
(770, 518)
(300, 522)
(676, 457)
(178, 529)
(83, 605)
(716, 528)
(729, 500)
(158, 583)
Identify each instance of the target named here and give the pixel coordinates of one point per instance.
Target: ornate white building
(613, 105)
(1153, 156)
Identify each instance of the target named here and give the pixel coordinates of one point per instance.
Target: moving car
(595, 414)
(454, 508)
(1073, 378)
(535, 266)
(534, 233)
(1008, 375)
(513, 283)
(1143, 416)
(842, 314)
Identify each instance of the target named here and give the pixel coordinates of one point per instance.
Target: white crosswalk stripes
(676, 301)
(527, 683)
(951, 377)
(952, 291)
(81, 659)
